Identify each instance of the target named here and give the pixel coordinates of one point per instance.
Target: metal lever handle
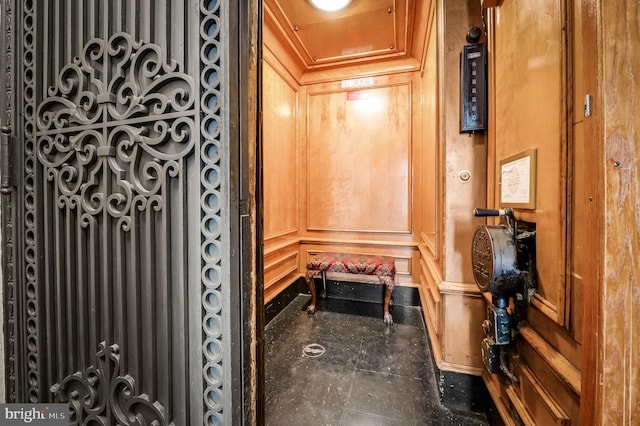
(506, 212)
(489, 212)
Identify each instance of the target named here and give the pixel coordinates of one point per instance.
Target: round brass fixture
(494, 259)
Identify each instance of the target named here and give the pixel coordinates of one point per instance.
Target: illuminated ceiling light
(330, 5)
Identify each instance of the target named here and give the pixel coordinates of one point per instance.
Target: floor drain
(313, 350)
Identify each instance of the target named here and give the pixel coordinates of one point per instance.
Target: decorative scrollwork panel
(105, 395)
(113, 138)
(122, 233)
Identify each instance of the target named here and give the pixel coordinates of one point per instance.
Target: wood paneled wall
(577, 357)
(359, 150)
(534, 87)
(378, 173)
(531, 101)
(359, 159)
(453, 306)
(281, 180)
(339, 168)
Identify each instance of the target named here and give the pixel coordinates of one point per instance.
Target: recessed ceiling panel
(366, 29)
(355, 35)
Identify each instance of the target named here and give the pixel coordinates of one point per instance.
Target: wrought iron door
(116, 215)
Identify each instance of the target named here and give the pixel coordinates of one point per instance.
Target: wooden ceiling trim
(274, 18)
(277, 49)
(364, 69)
(367, 35)
(424, 18)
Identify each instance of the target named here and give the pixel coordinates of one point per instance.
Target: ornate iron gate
(117, 219)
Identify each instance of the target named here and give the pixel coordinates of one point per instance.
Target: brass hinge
(587, 105)
(6, 160)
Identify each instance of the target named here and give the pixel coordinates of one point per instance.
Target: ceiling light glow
(330, 5)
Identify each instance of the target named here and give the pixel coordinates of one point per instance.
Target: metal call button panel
(473, 88)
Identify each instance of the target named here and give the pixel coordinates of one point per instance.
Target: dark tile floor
(369, 374)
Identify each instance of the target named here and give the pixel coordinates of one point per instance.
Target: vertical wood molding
(620, 352)
(460, 151)
(591, 391)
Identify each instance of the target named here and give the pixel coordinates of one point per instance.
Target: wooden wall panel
(280, 156)
(352, 182)
(280, 267)
(357, 170)
(452, 304)
(460, 152)
(464, 311)
(536, 97)
(531, 112)
(620, 330)
(281, 177)
(534, 399)
(359, 159)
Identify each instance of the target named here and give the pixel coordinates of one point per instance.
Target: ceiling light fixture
(330, 5)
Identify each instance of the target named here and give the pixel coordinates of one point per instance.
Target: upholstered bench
(361, 264)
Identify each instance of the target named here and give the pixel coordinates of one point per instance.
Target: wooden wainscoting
(280, 266)
(453, 313)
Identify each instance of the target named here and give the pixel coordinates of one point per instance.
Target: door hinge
(6, 160)
(587, 105)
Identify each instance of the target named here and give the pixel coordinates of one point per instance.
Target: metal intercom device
(503, 258)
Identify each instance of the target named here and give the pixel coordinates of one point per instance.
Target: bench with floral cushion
(361, 264)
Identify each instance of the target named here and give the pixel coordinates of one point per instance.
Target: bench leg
(390, 285)
(312, 289)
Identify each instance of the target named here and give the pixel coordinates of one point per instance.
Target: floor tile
(313, 394)
(351, 418)
(369, 373)
(400, 350)
(391, 396)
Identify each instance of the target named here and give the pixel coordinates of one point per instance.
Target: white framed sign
(518, 180)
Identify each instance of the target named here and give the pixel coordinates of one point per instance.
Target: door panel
(120, 249)
(112, 137)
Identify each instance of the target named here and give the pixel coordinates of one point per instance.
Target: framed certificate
(518, 180)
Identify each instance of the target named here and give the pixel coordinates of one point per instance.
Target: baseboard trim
(282, 299)
(368, 292)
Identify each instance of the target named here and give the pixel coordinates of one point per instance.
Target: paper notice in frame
(518, 180)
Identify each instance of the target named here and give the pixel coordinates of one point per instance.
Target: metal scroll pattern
(140, 123)
(105, 395)
(113, 135)
(212, 196)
